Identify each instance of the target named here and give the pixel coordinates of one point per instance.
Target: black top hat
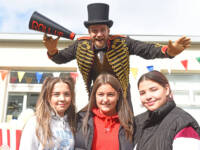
(98, 14)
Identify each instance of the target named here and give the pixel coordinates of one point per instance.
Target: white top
(62, 135)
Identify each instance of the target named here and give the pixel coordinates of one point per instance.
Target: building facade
(24, 65)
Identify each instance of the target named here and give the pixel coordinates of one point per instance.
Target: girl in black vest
(163, 126)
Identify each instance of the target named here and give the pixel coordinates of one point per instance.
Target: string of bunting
(38, 76)
(74, 75)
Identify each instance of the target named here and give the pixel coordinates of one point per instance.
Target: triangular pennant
(185, 64)
(13, 79)
(74, 75)
(3, 74)
(39, 76)
(28, 79)
(134, 72)
(56, 74)
(198, 59)
(150, 68)
(20, 75)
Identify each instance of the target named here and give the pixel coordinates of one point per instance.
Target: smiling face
(152, 94)
(106, 99)
(99, 35)
(60, 98)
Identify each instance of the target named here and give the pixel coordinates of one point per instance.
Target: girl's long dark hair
(124, 112)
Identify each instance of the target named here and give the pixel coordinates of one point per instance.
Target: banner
(28, 79)
(39, 76)
(13, 79)
(150, 68)
(185, 64)
(3, 74)
(198, 59)
(74, 75)
(134, 72)
(20, 75)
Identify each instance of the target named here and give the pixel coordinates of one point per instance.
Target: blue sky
(148, 17)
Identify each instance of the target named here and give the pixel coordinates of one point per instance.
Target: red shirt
(106, 130)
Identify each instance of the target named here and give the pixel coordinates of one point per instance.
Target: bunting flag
(39, 76)
(134, 72)
(74, 75)
(3, 74)
(185, 64)
(20, 75)
(56, 74)
(198, 59)
(13, 79)
(150, 68)
(28, 79)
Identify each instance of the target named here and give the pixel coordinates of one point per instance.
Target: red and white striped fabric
(187, 139)
(10, 138)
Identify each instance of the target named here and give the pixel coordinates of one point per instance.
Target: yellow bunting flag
(20, 75)
(134, 72)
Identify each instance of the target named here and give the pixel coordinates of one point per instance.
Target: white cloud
(129, 16)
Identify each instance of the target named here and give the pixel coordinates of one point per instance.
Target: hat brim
(107, 22)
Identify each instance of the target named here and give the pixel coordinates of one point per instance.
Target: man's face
(99, 35)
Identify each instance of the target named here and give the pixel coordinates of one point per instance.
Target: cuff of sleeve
(164, 51)
(50, 56)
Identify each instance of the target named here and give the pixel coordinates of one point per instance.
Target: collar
(57, 117)
(96, 50)
(157, 115)
(109, 121)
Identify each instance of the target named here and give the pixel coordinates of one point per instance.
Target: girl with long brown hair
(107, 121)
(53, 125)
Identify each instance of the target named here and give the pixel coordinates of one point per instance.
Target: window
(186, 89)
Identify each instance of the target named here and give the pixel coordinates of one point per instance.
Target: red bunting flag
(74, 75)
(13, 79)
(185, 64)
(3, 74)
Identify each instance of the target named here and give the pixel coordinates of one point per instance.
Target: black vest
(156, 130)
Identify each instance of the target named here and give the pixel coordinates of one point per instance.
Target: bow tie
(100, 50)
